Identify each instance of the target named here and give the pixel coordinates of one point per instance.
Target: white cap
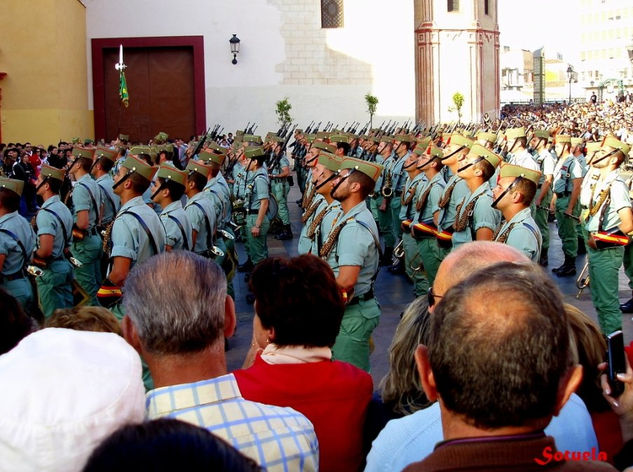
(63, 392)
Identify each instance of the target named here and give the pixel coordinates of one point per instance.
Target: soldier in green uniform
(329, 210)
(200, 209)
(568, 175)
(136, 233)
(168, 188)
(608, 221)
(402, 145)
(475, 219)
(379, 203)
(17, 242)
(424, 226)
(352, 250)
(543, 198)
(408, 200)
(278, 172)
(54, 231)
(86, 204)
(513, 195)
(256, 205)
(455, 192)
(104, 161)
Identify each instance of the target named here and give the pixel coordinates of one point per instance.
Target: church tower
(456, 50)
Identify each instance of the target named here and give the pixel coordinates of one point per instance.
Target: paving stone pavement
(394, 293)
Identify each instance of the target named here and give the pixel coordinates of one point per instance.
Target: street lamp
(235, 48)
(570, 76)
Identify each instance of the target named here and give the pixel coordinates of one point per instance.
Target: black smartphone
(617, 362)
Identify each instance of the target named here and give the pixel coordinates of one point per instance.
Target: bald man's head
(470, 258)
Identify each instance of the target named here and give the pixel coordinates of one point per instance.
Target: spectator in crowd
(180, 333)
(63, 392)
(166, 445)
(85, 318)
(501, 370)
(413, 436)
(298, 312)
(14, 323)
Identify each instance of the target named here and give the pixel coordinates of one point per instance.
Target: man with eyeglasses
(352, 250)
(513, 194)
(608, 219)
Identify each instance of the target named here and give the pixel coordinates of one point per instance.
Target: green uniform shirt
(619, 199)
(332, 216)
(524, 234)
(200, 212)
(174, 236)
(459, 193)
(356, 247)
(111, 201)
(87, 196)
(437, 189)
(566, 170)
(47, 223)
(483, 215)
(412, 185)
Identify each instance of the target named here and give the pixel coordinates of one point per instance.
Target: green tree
(283, 112)
(372, 104)
(458, 100)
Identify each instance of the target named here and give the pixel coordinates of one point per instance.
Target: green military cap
(430, 150)
(467, 134)
(422, 146)
(514, 133)
(75, 140)
(52, 172)
(161, 137)
(487, 136)
(136, 150)
(404, 138)
(216, 148)
(12, 184)
(563, 138)
(277, 139)
(269, 136)
(310, 137)
(370, 169)
(169, 172)
(487, 154)
(154, 150)
(199, 167)
(324, 146)
(139, 166)
(385, 138)
(109, 154)
(252, 153)
(330, 161)
(615, 143)
(169, 147)
(208, 156)
(251, 138)
(424, 142)
(322, 135)
(81, 152)
(240, 133)
(88, 141)
(576, 141)
(511, 170)
(340, 138)
(460, 140)
(593, 147)
(541, 133)
(124, 137)
(373, 139)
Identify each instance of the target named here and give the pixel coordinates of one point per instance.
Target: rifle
(309, 128)
(252, 129)
(364, 130)
(200, 144)
(246, 127)
(316, 129)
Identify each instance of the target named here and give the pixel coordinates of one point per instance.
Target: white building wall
(284, 52)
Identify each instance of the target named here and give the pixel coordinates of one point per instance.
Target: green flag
(123, 89)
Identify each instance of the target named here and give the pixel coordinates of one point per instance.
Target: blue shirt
(111, 201)
(47, 223)
(201, 214)
(171, 216)
(87, 196)
(413, 437)
(9, 247)
(279, 439)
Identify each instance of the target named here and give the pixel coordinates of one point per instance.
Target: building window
(452, 5)
(486, 7)
(331, 13)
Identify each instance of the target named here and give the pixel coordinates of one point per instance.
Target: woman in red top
(298, 312)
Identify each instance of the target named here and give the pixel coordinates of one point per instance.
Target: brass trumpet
(387, 190)
(226, 235)
(398, 251)
(216, 251)
(582, 281)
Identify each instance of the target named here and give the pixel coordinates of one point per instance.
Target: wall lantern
(235, 47)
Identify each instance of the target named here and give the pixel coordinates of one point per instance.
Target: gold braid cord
(307, 197)
(601, 199)
(332, 239)
(462, 220)
(503, 237)
(316, 222)
(422, 200)
(107, 238)
(309, 212)
(446, 196)
(406, 199)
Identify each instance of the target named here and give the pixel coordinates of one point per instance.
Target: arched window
(331, 13)
(452, 5)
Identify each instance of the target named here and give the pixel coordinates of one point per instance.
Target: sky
(546, 23)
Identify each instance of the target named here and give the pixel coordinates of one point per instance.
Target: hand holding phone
(616, 362)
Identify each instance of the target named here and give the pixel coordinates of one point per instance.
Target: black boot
(581, 246)
(568, 268)
(627, 307)
(286, 233)
(246, 267)
(386, 257)
(543, 260)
